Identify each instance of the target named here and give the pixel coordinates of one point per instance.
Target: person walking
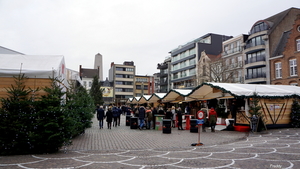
(204, 119)
(119, 115)
(115, 113)
(109, 116)
(149, 117)
(142, 112)
(212, 118)
(179, 118)
(100, 116)
(173, 110)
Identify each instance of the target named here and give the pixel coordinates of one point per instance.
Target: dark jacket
(100, 114)
(109, 116)
(168, 115)
(142, 112)
(179, 115)
(115, 112)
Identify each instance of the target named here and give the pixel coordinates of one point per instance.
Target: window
(119, 69)
(129, 69)
(278, 71)
(192, 51)
(294, 84)
(298, 45)
(293, 67)
(90, 84)
(119, 83)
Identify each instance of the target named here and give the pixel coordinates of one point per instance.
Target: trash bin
(166, 126)
(193, 126)
(127, 122)
(133, 123)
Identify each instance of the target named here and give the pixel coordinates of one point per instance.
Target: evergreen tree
(96, 91)
(255, 109)
(16, 116)
(81, 108)
(52, 124)
(295, 114)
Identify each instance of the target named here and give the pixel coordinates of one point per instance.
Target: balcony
(255, 62)
(162, 66)
(256, 78)
(232, 51)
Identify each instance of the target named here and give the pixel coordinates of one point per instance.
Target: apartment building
(263, 45)
(232, 57)
(156, 82)
(144, 85)
(184, 59)
(165, 75)
(123, 76)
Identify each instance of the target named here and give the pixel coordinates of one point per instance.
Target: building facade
(262, 44)
(165, 75)
(87, 76)
(123, 76)
(284, 62)
(144, 85)
(184, 59)
(233, 59)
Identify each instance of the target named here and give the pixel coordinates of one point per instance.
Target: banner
(107, 91)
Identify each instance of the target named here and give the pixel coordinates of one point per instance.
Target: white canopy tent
(33, 66)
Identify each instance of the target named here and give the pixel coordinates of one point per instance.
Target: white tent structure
(33, 66)
(37, 68)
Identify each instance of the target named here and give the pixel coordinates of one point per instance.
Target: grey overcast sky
(143, 31)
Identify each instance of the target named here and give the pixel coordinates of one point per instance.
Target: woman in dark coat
(168, 114)
(179, 118)
(109, 117)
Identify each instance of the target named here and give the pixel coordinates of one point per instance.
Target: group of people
(146, 116)
(112, 115)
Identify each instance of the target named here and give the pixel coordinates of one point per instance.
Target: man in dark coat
(119, 115)
(142, 112)
(100, 116)
(109, 116)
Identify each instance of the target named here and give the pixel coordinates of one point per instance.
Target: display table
(187, 121)
(158, 121)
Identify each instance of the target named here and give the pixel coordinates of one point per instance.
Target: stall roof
(38, 66)
(135, 100)
(217, 90)
(144, 98)
(210, 90)
(155, 97)
(175, 93)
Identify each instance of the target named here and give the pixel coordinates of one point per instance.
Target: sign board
(200, 115)
(200, 121)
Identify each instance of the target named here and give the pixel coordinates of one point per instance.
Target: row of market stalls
(275, 100)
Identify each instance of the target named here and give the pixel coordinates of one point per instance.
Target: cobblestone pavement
(122, 147)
